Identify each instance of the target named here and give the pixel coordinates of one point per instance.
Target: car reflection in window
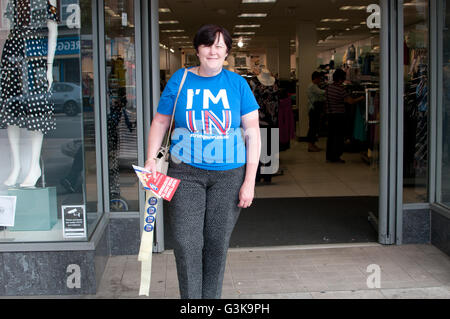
(67, 98)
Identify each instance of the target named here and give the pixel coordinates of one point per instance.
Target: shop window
(48, 178)
(444, 115)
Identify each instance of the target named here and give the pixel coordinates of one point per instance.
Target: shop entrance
(307, 199)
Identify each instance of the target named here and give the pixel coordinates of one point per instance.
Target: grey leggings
(203, 213)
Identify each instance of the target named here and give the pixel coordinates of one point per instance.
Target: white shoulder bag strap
(166, 147)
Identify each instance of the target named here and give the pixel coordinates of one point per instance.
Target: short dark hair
(339, 75)
(316, 75)
(207, 35)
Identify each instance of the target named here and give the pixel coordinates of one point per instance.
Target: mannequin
(31, 90)
(267, 96)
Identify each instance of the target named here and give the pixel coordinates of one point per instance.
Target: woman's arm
(52, 39)
(158, 129)
(252, 135)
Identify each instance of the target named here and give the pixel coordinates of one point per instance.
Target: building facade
(86, 204)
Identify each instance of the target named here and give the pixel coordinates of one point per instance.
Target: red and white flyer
(163, 186)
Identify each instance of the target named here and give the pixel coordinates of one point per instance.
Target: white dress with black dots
(25, 100)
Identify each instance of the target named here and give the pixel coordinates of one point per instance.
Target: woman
(336, 97)
(217, 168)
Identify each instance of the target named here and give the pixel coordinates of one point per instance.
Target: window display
(25, 82)
(44, 114)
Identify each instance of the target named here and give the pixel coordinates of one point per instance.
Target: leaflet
(163, 186)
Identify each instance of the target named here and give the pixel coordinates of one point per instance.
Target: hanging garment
(351, 53)
(360, 127)
(286, 121)
(268, 101)
(25, 100)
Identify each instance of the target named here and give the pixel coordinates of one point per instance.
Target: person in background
(215, 162)
(336, 97)
(316, 99)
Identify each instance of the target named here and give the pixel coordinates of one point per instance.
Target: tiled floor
(410, 271)
(309, 175)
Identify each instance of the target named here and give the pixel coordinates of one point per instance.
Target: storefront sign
(67, 46)
(74, 221)
(64, 46)
(7, 210)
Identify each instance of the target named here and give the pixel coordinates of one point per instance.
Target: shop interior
(306, 200)
(309, 200)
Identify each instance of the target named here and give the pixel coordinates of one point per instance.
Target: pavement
(301, 272)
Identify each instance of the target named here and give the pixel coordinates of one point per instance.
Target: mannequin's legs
(14, 139)
(35, 169)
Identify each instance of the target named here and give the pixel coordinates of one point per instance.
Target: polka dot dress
(25, 100)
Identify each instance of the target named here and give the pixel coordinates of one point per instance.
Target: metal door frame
(391, 115)
(150, 77)
(391, 126)
(103, 100)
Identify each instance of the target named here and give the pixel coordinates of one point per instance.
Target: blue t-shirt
(207, 121)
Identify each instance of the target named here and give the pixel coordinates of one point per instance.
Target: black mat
(301, 221)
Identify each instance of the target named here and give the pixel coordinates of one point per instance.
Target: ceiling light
(344, 8)
(252, 15)
(240, 44)
(323, 29)
(247, 26)
(164, 10)
(334, 20)
(176, 31)
(180, 37)
(172, 50)
(415, 4)
(258, 1)
(169, 22)
(244, 33)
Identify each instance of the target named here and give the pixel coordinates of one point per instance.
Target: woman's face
(212, 57)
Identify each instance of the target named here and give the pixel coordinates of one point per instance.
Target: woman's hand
(159, 126)
(150, 165)
(246, 194)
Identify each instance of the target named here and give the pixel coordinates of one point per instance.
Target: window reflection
(416, 106)
(445, 116)
(121, 104)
